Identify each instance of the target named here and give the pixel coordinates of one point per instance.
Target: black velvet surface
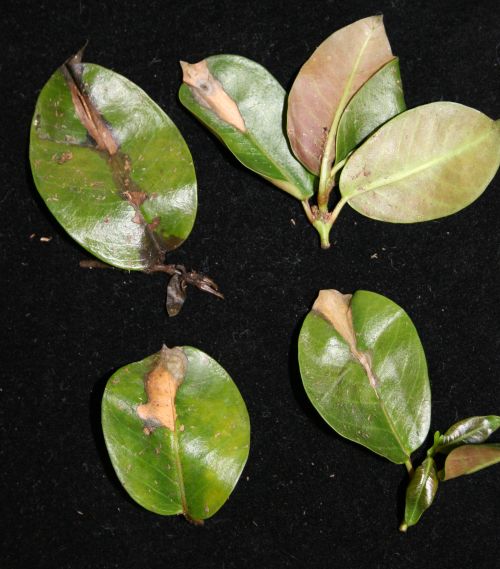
(307, 497)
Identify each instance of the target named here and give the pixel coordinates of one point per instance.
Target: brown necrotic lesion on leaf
(88, 115)
(335, 308)
(161, 385)
(154, 243)
(210, 93)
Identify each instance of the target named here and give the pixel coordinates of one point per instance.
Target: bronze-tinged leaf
(326, 83)
(468, 459)
(426, 163)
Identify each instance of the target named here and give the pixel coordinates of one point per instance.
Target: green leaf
(111, 166)
(177, 431)
(425, 163)
(378, 100)
(326, 83)
(468, 431)
(420, 493)
(243, 105)
(468, 459)
(364, 369)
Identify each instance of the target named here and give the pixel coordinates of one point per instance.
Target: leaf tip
(77, 58)
(335, 308)
(209, 93)
(186, 70)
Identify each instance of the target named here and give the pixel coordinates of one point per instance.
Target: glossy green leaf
(377, 101)
(425, 163)
(254, 102)
(111, 166)
(420, 493)
(326, 83)
(468, 459)
(189, 463)
(364, 369)
(473, 430)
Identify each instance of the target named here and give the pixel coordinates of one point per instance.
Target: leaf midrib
(248, 134)
(381, 403)
(179, 470)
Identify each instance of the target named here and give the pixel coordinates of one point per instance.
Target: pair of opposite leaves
(346, 114)
(178, 432)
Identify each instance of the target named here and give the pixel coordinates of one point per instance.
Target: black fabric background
(307, 497)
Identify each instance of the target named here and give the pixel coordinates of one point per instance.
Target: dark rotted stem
(199, 280)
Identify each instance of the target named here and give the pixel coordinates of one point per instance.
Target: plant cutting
(177, 431)
(364, 369)
(116, 173)
(465, 454)
(347, 126)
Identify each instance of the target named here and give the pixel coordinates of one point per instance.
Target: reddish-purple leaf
(326, 83)
(468, 459)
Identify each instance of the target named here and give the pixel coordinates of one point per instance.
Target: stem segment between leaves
(319, 216)
(323, 221)
(326, 184)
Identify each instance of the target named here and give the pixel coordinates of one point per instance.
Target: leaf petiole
(409, 467)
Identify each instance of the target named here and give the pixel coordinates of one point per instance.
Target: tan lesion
(161, 385)
(335, 308)
(85, 109)
(209, 92)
